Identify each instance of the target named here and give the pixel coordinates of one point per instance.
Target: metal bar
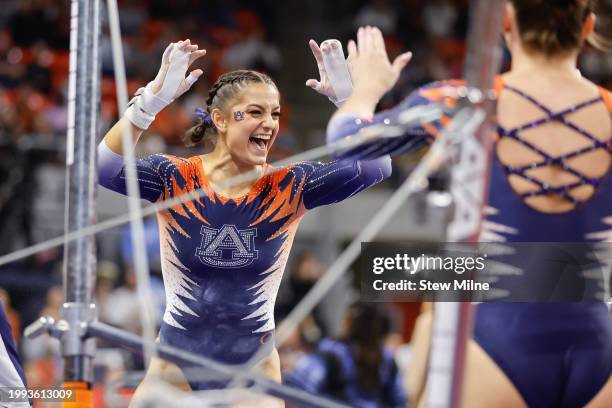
(95, 102)
(452, 325)
(80, 198)
(79, 255)
(136, 343)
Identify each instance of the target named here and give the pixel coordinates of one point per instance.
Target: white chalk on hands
(337, 70)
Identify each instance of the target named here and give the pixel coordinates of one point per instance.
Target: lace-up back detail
(566, 191)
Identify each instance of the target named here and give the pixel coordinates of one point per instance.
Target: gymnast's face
(252, 123)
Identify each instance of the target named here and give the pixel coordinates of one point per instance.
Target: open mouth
(260, 141)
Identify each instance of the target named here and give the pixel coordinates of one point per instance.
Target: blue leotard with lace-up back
(556, 354)
(548, 160)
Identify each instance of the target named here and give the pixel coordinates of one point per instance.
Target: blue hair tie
(203, 115)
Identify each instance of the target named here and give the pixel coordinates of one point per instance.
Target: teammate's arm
(372, 73)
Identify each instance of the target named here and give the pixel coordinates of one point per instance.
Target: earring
(238, 116)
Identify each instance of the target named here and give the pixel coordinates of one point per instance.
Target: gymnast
(223, 254)
(11, 371)
(550, 182)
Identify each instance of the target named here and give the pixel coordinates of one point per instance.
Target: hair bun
(196, 134)
(551, 27)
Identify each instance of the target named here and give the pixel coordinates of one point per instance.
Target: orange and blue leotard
(223, 258)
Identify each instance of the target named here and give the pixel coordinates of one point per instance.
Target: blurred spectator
(38, 72)
(107, 275)
(377, 13)
(301, 341)
(151, 235)
(122, 307)
(132, 17)
(291, 350)
(252, 51)
(8, 118)
(55, 300)
(44, 346)
(11, 69)
(304, 273)
(440, 17)
(32, 21)
(356, 368)
(57, 114)
(28, 104)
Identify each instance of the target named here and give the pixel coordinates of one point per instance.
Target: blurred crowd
(34, 37)
(34, 57)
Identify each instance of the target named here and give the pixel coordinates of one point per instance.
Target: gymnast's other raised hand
(171, 82)
(334, 76)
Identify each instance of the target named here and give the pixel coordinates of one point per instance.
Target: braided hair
(225, 89)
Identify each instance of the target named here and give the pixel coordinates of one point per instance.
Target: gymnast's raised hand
(334, 76)
(170, 83)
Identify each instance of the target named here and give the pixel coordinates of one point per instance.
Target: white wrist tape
(151, 103)
(138, 116)
(338, 73)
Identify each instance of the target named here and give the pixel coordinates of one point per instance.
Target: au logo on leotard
(227, 247)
